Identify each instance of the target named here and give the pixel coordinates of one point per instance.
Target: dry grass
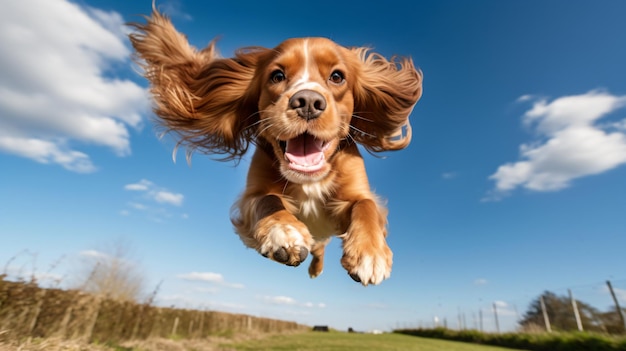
(51, 344)
(175, 345)
(213, 343)
(160, 344)
(33, 318)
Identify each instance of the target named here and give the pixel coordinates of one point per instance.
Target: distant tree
(612, 322)
(561, 314)
(111, 272)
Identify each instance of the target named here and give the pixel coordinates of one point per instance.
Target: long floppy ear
(384, 95)
(209, 102)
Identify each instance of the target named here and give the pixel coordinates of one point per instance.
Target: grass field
(335, 341)
(308, 341)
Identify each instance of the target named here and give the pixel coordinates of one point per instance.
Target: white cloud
(210, 277)
(174, 9)
(621, 125)
(93, 254)
(290, 301)
(620, 294)
(56, 83)
(280, 300)
(211, 290)
(154, 193)
(185, 301)
(376, 305)
(151, 199)
(233, 285)
(168, 198)
(501, 304)
(569, 144)
(202, 276)
(449, 175)
(44, 151)
(142, 185)
(137, 206)
(480, 281)
(503, 309)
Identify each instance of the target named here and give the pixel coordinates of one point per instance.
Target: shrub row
(27, 310)
(533, 342)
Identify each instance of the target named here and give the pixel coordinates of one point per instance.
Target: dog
(304, 105)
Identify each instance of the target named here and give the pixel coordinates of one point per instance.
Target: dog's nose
(308, 104)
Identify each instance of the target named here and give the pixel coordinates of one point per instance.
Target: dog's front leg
(268, 227)
(366, 255)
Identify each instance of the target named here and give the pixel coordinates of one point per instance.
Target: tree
(612, 322)
(561, 314)
(112, 273)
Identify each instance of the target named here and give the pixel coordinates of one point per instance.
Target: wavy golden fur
(305, 105)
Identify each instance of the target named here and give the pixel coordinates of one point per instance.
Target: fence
(27, 310)
(590, 307)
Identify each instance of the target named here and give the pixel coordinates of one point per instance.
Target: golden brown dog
(305, 105)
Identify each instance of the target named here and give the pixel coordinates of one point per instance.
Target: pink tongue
(304, 150)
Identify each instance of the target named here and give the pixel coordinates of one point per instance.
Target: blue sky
(513, 183)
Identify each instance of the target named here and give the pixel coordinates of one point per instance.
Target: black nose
(308, 104)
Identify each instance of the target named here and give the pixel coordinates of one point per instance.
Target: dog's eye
(277, 76)
(336, 77)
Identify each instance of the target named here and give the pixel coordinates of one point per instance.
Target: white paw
(371, 269)
(285, 244)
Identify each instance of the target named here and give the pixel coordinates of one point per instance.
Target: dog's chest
(312, 200)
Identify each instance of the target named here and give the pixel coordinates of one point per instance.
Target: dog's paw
(317, 263)
(316, 267)
(368, 266)
(286, 243)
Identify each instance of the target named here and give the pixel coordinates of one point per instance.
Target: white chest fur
(312, 199)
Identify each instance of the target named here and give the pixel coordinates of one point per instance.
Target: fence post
(620, 313)
(95, 319)
(576, 312)
(495, 314)
(201, 328)
(133, 335)
(33, 322)
(545, 316)
(64, 322)
(175, 326)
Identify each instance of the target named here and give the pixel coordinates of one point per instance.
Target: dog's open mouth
(305, 153)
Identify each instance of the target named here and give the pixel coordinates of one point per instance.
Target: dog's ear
(384, 94)
(209, 102)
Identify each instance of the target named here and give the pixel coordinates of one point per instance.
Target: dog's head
(303, 98)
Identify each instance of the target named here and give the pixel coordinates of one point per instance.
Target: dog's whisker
(362, 118)
(362, 132)
(269, 126)
(285, 187)
(350, 138)
(254, 124)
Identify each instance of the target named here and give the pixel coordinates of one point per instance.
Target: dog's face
(303, 97)
(306, 103)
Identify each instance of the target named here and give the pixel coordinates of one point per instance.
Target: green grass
(336, 341)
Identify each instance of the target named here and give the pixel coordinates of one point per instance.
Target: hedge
(532, 342)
